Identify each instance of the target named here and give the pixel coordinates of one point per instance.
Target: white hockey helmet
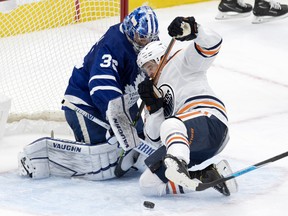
(152, 51)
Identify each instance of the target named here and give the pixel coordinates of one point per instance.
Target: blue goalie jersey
(109, 70)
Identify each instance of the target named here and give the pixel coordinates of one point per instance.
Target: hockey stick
(156, 75)
(85, 114)
(203, 186)
(164, 59)
(144, 147)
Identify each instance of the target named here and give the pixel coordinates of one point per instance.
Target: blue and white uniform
(109, 70)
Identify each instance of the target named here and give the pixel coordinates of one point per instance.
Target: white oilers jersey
(183, 81)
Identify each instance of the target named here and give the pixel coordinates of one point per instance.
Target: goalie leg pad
(104, 160)
(80, 160)
(65, 158)
(33, 161)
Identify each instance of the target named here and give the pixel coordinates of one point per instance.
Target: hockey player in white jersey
(189, 119)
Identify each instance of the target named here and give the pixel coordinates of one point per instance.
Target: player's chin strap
(142, 146)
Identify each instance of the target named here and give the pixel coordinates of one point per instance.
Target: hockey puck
(149, 204)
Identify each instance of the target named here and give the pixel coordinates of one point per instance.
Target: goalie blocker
(121, 122)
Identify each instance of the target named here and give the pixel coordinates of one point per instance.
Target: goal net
(41, 41)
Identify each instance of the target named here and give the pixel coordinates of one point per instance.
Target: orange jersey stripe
(189, 114)
(207, 52)
(175, 138)
(173, 186)
(201, 102)
(185, 115)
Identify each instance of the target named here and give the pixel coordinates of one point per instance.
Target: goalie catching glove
(183, 28)
(150, 95)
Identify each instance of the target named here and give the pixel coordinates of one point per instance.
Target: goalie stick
(197, 186)
(85, 114)
(143, 147)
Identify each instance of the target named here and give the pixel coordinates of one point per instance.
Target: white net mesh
(41, 42)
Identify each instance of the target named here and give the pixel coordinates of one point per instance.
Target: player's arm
(154, 112)
(152, 125)
(186, 29)
(104, 80)
(206, 44)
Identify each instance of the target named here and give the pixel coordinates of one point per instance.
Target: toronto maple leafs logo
(132, 89)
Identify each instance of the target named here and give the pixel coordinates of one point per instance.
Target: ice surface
(250, 75)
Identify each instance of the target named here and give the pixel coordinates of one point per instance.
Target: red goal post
(124, 9)
(41, 42)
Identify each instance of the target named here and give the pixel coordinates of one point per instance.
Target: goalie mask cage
(41, 41)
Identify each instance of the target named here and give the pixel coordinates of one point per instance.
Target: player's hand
(152, 99)
(183, 28)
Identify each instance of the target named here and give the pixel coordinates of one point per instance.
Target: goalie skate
(230, 9)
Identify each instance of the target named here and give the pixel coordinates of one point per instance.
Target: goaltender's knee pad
(170, 126)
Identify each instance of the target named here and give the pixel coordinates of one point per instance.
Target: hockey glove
(152, 101)
(183, 28)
